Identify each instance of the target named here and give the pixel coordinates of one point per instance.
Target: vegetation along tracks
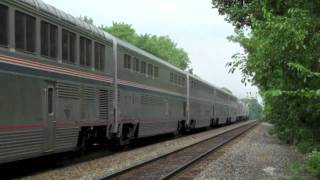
(168, 165)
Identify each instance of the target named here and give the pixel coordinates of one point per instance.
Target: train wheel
(216, 122)
(84, 143)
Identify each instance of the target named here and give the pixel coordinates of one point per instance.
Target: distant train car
(67, 85)
(243, 111)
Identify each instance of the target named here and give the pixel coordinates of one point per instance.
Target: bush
(313, 163)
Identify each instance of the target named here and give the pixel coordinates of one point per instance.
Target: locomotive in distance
(67, 85)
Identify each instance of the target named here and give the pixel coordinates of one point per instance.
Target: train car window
(136, 65)
(150, 69)
(72, 48)
(127, 61)
(143, 67)
(50, 100)
(53, 41)
(183, 81)
(68, 47)
(175, 78)
(31, 33)
(156, 71)
(99, 56)
(20, 31)
(171, 77)
(25, 26)
(4, 25)
(85, 52)
(49, 40)
(179, 80)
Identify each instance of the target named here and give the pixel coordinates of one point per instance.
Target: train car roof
(148, 55)
(47, 8)
(65, 17)
(44, 7)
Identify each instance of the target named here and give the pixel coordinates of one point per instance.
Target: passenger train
(66, 85)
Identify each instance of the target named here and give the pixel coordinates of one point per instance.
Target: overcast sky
(193, 24)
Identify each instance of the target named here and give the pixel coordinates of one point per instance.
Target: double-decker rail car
(56, 82)
(243, 111)
(66, 85)
(153, 94)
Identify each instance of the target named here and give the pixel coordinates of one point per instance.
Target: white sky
(193, 24)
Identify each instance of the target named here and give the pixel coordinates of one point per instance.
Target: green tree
(165, 48)
(161, 46)
(255, 108)
(87, 19)
(122, 31)
(281, 40)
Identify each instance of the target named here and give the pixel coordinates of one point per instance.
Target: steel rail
(182, 167)
(201, 156)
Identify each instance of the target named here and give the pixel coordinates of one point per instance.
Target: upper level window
(171, 77)
(4, 25)
(25, 32)
(127, 61)
(68, 47)
(150, 69)
(156, 71)
(179, 80)
(183, 81)
(99, 57)
(194, 84)
(136, 65)
(49, 40)
(143, 67)
(175, 79)
(85, 52)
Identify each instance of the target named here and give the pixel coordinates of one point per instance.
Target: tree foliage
(161, 46)
(281, 40)
(86, 19)
(122, 31)
(312, 163)
(255, 109)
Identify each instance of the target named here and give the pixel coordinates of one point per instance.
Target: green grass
(312, 163)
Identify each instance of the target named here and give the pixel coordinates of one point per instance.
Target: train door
(50, 121)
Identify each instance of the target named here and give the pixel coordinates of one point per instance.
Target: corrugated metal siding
(88, 93)
(103, 104)
(150, 129)
(66, 90)
(20, 143)
(66, 138)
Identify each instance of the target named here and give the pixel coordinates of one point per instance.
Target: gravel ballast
(98, 168)
(258, 155)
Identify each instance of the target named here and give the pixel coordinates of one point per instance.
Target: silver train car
(66, 85)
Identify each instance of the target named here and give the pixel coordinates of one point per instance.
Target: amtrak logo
(67, 111)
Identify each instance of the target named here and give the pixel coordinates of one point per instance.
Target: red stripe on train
(58, 125)
(20, 127)
(67, 71)
(51, 68)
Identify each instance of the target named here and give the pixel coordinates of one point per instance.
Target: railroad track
(169, 165)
